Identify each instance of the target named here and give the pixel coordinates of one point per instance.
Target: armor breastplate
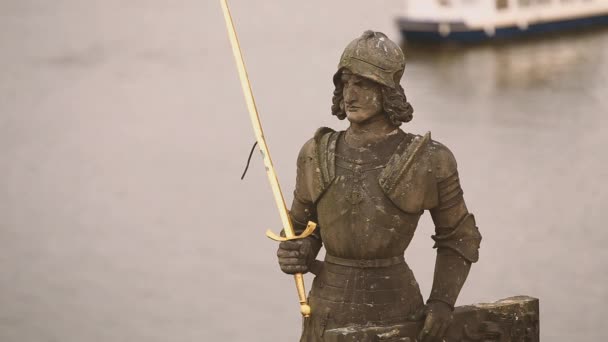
(358, 220)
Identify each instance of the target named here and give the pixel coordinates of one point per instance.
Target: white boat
(476, 20)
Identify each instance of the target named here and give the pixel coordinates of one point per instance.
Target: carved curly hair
(394, 103)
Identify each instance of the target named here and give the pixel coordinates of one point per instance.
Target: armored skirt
(343, 296)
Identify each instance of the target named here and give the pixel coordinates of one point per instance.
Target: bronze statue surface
(367, 187)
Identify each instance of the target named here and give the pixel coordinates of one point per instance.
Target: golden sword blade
(270, 172)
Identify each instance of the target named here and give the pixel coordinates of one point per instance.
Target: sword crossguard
(310, 228)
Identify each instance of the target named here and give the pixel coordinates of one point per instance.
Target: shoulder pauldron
(408, 179)
(325, 170)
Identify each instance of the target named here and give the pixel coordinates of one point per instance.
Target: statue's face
(362, 98)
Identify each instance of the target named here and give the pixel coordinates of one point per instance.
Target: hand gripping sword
(272, 177)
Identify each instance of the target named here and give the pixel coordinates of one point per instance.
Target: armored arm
(298, 256)
(456, 236)
(303, 208)
(301, 212)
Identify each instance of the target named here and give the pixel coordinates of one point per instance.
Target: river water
(123, 133)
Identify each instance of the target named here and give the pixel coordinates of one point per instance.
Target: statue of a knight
(367, 187)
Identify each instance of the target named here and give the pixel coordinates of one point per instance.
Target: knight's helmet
(375, 57)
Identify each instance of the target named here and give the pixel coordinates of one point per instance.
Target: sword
(270, 172)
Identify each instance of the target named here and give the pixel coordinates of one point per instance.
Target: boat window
(524, 3)
(444, 2)
(502, 4)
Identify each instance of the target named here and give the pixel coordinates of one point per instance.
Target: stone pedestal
(514, 319)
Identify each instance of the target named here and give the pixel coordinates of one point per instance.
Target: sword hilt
(304, 307)
(299, 278)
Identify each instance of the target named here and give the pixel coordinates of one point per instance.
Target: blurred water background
(123, 134)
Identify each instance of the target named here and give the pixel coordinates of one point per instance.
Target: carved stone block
(514, 319)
